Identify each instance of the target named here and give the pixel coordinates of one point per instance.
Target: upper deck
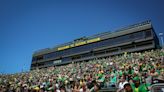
(98, 37)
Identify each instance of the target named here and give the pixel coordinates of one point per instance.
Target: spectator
(139, 70)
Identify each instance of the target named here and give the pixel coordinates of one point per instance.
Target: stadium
(133, 38)
(129, 59)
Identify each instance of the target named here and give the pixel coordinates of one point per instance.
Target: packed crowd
(129, 72)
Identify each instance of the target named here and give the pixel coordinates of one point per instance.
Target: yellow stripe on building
(80, 43)
(93, 40)
(64, 47)
(72, 45)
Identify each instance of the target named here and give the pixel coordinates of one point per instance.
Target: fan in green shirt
(113, 79)
(137, 86)
(161, 53)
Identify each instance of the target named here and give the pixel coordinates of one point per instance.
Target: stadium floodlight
(161, 37)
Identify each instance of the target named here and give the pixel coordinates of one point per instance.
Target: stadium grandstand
(127, 60)
(133, 38)
(129, 72)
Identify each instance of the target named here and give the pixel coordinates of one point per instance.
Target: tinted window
(148, 33)
(104, 43)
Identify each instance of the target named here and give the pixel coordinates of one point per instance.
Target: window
(148, 33)
(104, 43)
(99, 52)
(66, 59)
(87, 55)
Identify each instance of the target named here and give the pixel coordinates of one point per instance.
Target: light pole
(161, 37)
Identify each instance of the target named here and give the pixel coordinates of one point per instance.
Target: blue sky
(30, 25)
